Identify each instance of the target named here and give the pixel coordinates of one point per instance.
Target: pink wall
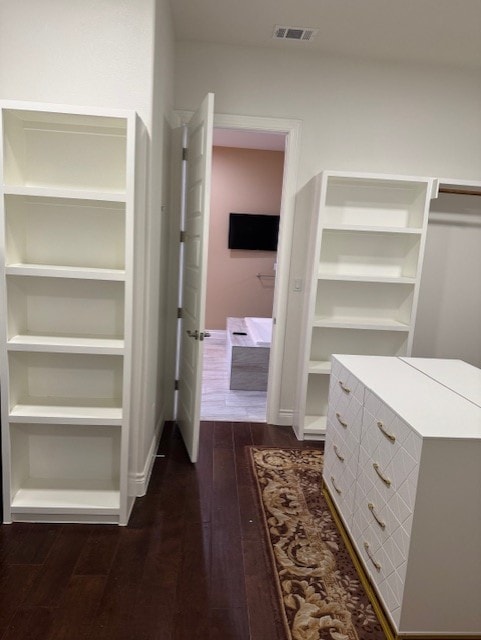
(243, 181)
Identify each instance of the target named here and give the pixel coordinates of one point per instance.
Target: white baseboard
(138, 482)
(284, 418)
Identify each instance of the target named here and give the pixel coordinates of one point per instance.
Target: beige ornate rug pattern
(321, 595)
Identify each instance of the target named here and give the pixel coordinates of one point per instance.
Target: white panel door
(194, 270)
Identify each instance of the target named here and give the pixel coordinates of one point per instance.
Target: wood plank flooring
(190, 564)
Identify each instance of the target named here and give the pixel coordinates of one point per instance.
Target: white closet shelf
(63, 344)
(70, 194)
(361, 278)
(314, 426)
(87, 497)
(53, 271)
(55, 414)
(361, 322)
(373, 229)
(319, 366)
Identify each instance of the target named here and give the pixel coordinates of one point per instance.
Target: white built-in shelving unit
(364, 259)
(66, 290)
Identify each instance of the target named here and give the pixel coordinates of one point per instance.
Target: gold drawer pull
(343, 387)
(376, 517)
(388, 435)
(370, 556)
(386, 481)
(334, 485)
(336, 451)
(340, 420)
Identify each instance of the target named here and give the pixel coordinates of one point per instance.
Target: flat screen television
(253, 231)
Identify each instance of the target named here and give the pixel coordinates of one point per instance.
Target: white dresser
(403, 469)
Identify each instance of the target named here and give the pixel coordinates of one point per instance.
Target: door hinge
(176, 385)
(179, 312)
(182, 236)
(185, 153)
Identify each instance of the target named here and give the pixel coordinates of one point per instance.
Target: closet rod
(461, 192)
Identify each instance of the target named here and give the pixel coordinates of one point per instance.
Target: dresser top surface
(457, 375)
(431, 408)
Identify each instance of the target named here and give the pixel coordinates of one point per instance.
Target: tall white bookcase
(364, 259)
(66, 282)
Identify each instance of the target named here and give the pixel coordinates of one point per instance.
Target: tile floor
(218, 402)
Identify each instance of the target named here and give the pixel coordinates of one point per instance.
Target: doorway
(291, 129)
(246, 194)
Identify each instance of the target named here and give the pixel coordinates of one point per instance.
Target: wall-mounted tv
(253, 231)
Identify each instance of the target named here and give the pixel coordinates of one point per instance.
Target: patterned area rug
(321, 595)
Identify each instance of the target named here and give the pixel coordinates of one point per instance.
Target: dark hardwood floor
(190, 564)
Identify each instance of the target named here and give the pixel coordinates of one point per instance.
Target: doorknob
(198, 335)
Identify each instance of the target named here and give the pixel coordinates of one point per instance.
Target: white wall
(357, 115)
(80, 52)
(117, 54)
(156, 381)
(245, 181)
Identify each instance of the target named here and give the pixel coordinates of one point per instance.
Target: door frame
(292, 130)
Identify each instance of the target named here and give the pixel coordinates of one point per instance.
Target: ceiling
(444, 32)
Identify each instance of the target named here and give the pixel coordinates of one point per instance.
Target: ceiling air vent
(294, 33)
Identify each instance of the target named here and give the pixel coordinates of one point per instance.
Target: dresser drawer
(385, 518)
(388, 542)
(340, 470)
(389, 454)
(344, 382)
(384, 562)
(343, 433)
(345, 410)
(344, 419)
(389, 431)
(385, 511)
(342, 489)
(388, 481)
(386, 571)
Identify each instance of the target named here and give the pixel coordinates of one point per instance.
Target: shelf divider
(55, 414)
(63, 344)
(54, 271)
(87, 497)
(69, 194)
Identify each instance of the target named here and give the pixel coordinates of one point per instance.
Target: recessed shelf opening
(64, 232)
(65, 467)
(50, 307)
(381, 255)
(364, 303)
(317, 395)
(371, 202)
(64, 150)
(326, 341)
(65, 380)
